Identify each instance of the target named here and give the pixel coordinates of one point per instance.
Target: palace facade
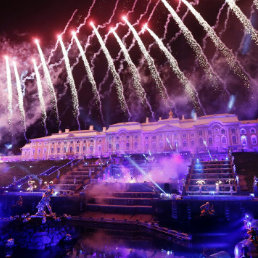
(215, 133)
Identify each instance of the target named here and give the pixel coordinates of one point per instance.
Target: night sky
(22, 21)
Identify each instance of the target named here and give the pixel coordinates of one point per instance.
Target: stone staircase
(79, 176)
(211, 178)
(135, 198)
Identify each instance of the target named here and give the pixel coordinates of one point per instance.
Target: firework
(244, 20)
(150, 61)
(20, 95)
(48, 79)
(175, 68)
(9, 90)
(89, 72)
(135, 74)
(71, 82)
(203, 61)
(231, 59)
(40, 94)
(117, 80)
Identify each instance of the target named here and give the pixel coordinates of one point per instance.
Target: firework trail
(256, 4)
(20, 97)
(194, 45)
(175, 68)
(135, 74)
(121, 67)
(150, 61)
(61, 34)
(179, 32)
(71, 82)
(244, 20)
(49, 81)
(117, 80)
(204, 41)
(96, 54)
(220, 35)
(89, 73)
(40, 94)
(99, 51)
(231, 59)
(10, 92)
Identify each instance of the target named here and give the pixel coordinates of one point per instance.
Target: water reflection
(130, 243)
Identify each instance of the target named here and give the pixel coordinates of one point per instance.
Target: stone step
(135, 194)
(67, 186)
(123, 201)
(132, 209)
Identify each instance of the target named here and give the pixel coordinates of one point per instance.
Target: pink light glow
(73, 32)
(36, 41)
(124, 18)
(112, 29)
(91, 23)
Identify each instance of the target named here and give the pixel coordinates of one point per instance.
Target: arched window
(71, 149)
(243, 140)
(117, 147)
(224, 140)
(77, 149)
(254, 139)
(233, 130)
(201, 141)
(243, 131)
(223, 131)
(210, 141)
(234, 139)
(127, 145)
(253, 130)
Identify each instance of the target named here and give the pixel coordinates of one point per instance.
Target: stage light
(124, 18)
(36, 41)
(73, 32)
(59, 36)
(91, 23)
(6, 57)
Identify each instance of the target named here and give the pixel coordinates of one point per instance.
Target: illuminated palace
(215, 133)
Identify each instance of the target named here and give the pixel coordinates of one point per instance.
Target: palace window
(52, 150)
(233, 130)
(200, 133)
(253, 130)
(192, 143)
(243, 131)
(127, 145)
(234, 139)
(64, 149)
(243, 140)
(77, 148)
(254, 139)
(71, 149)
(135, 145)
(223, 131)
(58, 150)
(117, 147)
(209, 132)
(184, 144)
(210, 141)
(84, 148)
(224, 139)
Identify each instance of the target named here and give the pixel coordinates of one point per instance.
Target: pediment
(167, 128)
(70, 135)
